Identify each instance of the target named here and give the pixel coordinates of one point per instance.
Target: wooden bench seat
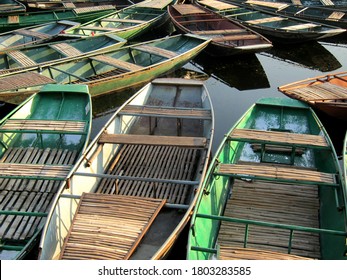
(264, 20)
(156, 51)
(124, 20)
(236, 37)
(152, 111)
(24, 80)
(21, 58)
(34, 171)
(128, 66)
(66, 50)
(276, 173)
(300, 26)
(155, 140)
(31, 33)
(44, 126)
(109, 226)
(280, 138)
(221, 32)
(238, 253)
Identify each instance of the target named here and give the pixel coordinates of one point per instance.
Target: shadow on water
(311, 55)
(232, 70)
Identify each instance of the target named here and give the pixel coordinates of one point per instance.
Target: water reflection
(233, 70)
(311, 55)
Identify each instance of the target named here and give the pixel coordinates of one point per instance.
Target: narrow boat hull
(149, 159)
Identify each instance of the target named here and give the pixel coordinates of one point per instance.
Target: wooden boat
(127, 23)
(151, 155)
(23, 37)
(325, 14)
(326, 93)
(39, 55)
(268, 193)
(277, 28)
(8, 7)
(112, 71)
(227, 37)
(40, 142)
(27, 19)
(72, 4)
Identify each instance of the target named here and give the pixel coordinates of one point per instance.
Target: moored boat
(326, 93)
(151, 155)
(325, 14)
(112, 71)
(227, 37)
(8, 7)
(36, 34)
(40, 142)
(27, 19)
(277, 28)
(38, 55)
(268, 193)
(127, 23)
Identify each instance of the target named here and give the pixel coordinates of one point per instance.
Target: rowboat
(127, 23)
(36, 34)
(277, 28)
(8, 7)
(326, 93)
(40, 142)
(39, 55)
(325, 14)
(227, 37)
(72, 4)
(268, 193)
(26, 19)
(151, 155)
(112, 71)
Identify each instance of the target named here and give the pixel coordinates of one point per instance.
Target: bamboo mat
(109, 227)
(165, 162)
(274, 203)
(28, 195)
(231, 253)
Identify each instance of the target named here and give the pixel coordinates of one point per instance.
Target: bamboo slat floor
(234, 253)
(279, 137)
(165, 162)
(109, 226)
(24, 80)
(28, 195)
(44, 125)
(21, 58)
(273, 203)
(66, 49)
(278, 173)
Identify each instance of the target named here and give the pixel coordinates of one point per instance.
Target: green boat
(40, 142)
(112, 71)
(26, 19)
(275, 27)
(143, 170)
(37, 34)
(129, 22)
(8, 7)
(18, 59)
(274, 190)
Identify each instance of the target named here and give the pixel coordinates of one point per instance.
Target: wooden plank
(265, 20)
(336, 15)
(278, 137)
(187, 9)
(66, 49)
(218, 5)
(236, 37)
(156, 51)
(24, 80)
(21, 58)
(31, 33)
(109, 226)
(134, 139)
(154, 111)
(238, 253)
(128, 66)
(124, 20)
(154, 4)
(279, 173)
(300, 26)
(25, 125)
